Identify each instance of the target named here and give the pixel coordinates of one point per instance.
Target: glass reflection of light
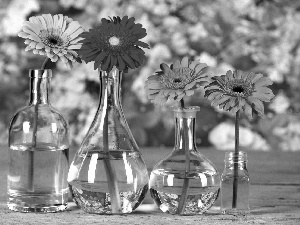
(92, 168)
(170, 179)
(128, 170)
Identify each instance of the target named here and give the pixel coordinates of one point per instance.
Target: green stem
(110, 172)
(235, 163)
(186, 181)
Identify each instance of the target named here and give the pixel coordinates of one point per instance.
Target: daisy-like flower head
(239, 90)
(54, 36)
(114, 43)
(174, 82)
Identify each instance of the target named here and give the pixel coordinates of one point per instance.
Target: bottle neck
(39, 86)
(110, 88)
(185, 120)
(231, 158)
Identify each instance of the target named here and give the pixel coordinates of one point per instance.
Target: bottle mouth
(188, 112)
(38, 73)
(232, 157)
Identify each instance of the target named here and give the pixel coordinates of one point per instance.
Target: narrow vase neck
(185, 120)
(39, 86)
(110, 88)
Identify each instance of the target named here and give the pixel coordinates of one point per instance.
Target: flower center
(177, 80)
(238, 89)
(52, 38)
(114, 41)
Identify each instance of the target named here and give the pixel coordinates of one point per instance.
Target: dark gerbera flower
(240, 91)
(114, 43)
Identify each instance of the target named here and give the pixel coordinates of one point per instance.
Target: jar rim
(186, 109)
(231, 156)
(40, 73)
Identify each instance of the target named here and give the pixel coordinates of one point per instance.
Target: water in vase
(90, 188)
(166, 188)
(37, 179)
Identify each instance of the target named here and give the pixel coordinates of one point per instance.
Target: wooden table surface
(275, 195)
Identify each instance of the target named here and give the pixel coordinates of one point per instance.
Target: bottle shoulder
(43, 113)
(176, 160)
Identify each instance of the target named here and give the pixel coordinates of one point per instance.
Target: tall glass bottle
(108, 174)
(38, 152)
(241, 206)
(185, 182)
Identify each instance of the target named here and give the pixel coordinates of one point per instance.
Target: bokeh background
(262, 36)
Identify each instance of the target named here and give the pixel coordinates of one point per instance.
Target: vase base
(195, 203)
(96, 201)
(37, 209)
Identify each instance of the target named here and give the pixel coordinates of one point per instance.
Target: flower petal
(185, 62)
(256, 77)
(99, 59)
(258, 105)
(248, 110)
(128, 60)
(264, 81)
(262, 96)
(176, 64)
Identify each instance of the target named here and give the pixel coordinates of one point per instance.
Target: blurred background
(262, 36)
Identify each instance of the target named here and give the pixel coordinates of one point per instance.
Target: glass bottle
(185, 182)
(38, 152)
(108, 174)
(241, 189)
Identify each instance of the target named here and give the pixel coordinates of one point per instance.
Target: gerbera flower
(114, 43)
(174, 82)
(240, 91)
(54, 36)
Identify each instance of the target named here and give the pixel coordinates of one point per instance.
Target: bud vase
(240, 190)
(108, 174)
(185, 182)
(38, 152)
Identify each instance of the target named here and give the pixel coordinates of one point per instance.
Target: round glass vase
(235, 186)
(108, 174)
(38, 152)
(185, 182)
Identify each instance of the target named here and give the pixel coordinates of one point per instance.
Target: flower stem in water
(110, 172)
(235, 163)
(186, 181)
(34, 134)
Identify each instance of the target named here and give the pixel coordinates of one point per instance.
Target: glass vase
(185, 182)
(235, 186)
(38, 152)
(108, 174)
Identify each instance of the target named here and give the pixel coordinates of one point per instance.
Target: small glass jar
(235, 184)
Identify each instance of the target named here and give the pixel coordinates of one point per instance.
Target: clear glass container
(185, 182)
(38, 152)
(235, 186)
(108, 174)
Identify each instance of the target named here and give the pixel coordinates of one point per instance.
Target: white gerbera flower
(54, 36)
